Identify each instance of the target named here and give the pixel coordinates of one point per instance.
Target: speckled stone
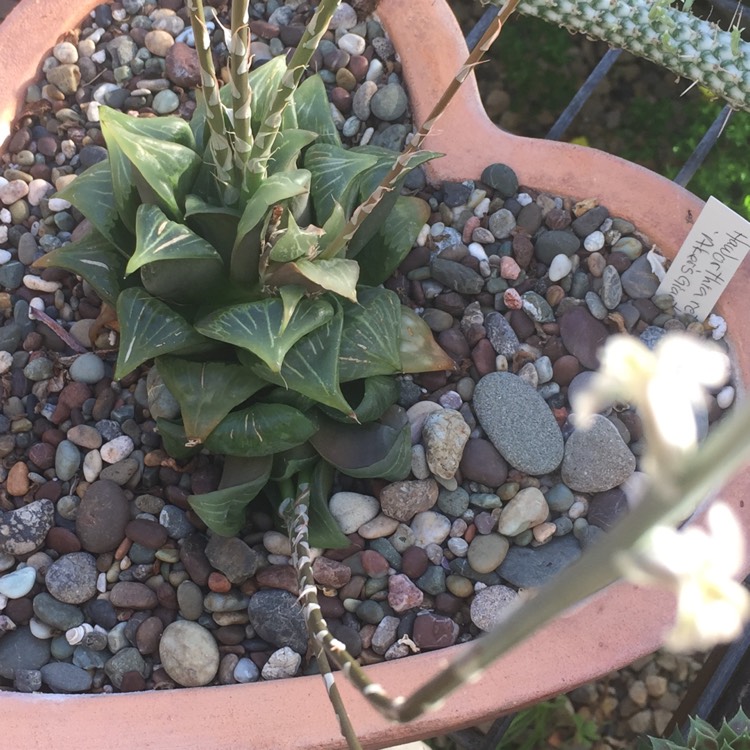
(352, 509)
(23, 531)
(72, 578)
(444, 436)
(492, 605)
(403, 500)
(519, 423)
(596, 459)
(528, 567)
(189, 653)
(527, 509)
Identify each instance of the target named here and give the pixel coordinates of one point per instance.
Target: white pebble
(65, 52)
(119, 14)
(459, 547)
(277, 543)
(92, 111)
(278, 559)
(92, 466)
(367, 136)
(5, 216)
(86, 48)
(482, 208)
(117, 449)
(5, 256)
(577, 510)
(102, 90)
(424, 233)
(374, 71)
(3, 234)
(39, 284)
(37, 190)
(476, 197)
(594, 242)
(524, 199)
(99, 56)
(3, 602)
(68, 148)
(37, 303)
(101, 582)
(352, 43)
(560, 267)
(719, 326)
(17, 584)
(6, 362)
(40, 629)
(58, 204)
(246, 671)
(352, 509)
(725, 397)
(437, 229)
(477, 251)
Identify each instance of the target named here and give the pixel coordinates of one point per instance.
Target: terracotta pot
(606, 632)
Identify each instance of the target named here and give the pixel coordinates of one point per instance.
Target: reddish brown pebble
(523, 250)
(146, 533)
(132, 595)
(403, 594)
(565, 369)
(470, 533)
(17, 482)
(482, 463)
(359, 65)
(331, 607)
(123, 548)
(181, 65)
(374, 564)
(132, 682)
(483, 356)
(331, 573)
(62, 540)
(42, 455)
(230, 635)
(148, 635)
(433, 631)
(414, 562)
(264, 29)
(278, 577)
(219, 583)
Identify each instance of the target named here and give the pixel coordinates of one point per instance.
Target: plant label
(708, 259)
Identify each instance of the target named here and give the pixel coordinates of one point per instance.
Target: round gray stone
(72, 578)
(57, 614)
(277, 618)
(639, 281)
(596, 459)
(87, 368)
(389, 102)
(528, 567)
(519, 423)
(19, 649)
(66, 678)
(502, 178)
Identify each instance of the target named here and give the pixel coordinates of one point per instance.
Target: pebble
(18, 583)
(560, 267)
(277, 617)
(66, 678)
(519, 423)
(281, 664)
(639, 281)
(57, 614)
(444, 435)
(116, 450)
(403, 594)
(530, 567)
(432, 631)
(486, 552)
(189, 654)
(502, 178)
(87, 368)
(492, 605)
(67, 460)
(20, 650)
(596, 459)
(23, 531)
(430, 527)
(583, 335)
(403, 500)
(71, 578)
(102, 516)
(352, 43)
(527, 509)
(389, 103)
(353, 509)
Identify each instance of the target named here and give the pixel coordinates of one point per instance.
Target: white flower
(698, 566)
(666, 384)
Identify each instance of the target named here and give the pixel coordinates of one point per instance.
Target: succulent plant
(731, 735)
(230, 250)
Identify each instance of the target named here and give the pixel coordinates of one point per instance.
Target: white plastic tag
(709, 257)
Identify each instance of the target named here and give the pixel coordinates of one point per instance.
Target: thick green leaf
(335, 172)
(372, 396)
(166, 165)
(282, 395)
(371, 335)
(332, 227)
(92, 257)
(314, 110)
(206, 391)
(338, 276)
(294, 242)
(418, 350)
(158, 238)
(324, 530)
(287, 148)
(216, 224)
(365, 451)
(291, 296)
(223, 510)
(383, 254)
(175, 440)
(258, 326)
(277, 188)
(370, 180)
(311, 366)
(261, 430)
(93, 195)
(184, 282)
(149, 328)
(291, 462)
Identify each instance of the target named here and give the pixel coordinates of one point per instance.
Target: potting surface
(435, 545)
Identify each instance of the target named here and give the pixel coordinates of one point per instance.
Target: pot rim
(615, 627)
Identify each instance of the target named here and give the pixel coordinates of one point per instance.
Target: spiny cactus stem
(218, 141)
(269, 128)
(388, 183)
(296, 513)
(298, 522)
(242, 94)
